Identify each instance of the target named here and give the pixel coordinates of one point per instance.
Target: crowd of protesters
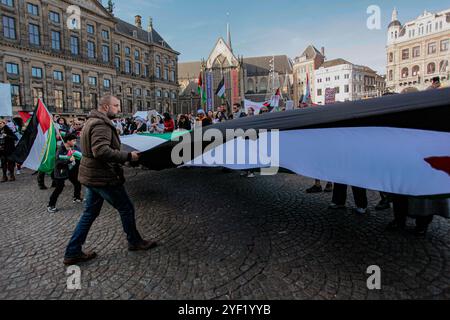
(167, 123)
(68, 134)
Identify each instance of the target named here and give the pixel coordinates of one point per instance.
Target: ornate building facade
(45, 52)
(418, 51)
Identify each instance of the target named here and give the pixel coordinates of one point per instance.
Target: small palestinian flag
(201, 89)
(221, 89)
(37, 148)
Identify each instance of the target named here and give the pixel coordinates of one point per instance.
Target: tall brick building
(46, 52)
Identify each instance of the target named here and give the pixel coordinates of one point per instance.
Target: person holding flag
(102, 174)
(68, 159)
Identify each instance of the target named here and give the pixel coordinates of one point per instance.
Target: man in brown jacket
(102, 174)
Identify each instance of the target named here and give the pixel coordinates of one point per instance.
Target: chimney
(322, 51)
(138, 21)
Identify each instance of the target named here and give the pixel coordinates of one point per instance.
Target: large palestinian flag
(398, 144)
(37, 148)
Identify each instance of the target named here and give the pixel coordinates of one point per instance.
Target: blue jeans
(115, 196)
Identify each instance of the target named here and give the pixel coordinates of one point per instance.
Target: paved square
(221, 237)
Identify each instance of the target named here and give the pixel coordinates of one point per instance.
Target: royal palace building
(70, 53)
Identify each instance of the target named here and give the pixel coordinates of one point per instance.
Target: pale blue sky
(267, 27)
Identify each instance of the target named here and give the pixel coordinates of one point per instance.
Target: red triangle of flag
(440, 163)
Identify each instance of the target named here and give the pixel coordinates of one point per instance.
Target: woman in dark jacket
(184, 123)
(67, 164)
(7, 146)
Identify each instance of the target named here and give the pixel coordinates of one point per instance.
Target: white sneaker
(18, 172)
(360, 210)
(251, 175)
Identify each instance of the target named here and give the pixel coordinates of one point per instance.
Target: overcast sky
(269, 27)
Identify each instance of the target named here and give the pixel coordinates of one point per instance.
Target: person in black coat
(184, 123)
(7, 146)
(66, 167)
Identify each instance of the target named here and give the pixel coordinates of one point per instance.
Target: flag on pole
(221, 89)
(274, 103)
(25, 116)
(37, 148)
(201, 90)
(307, 96)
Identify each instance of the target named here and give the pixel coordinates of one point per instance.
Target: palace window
(137, 68)
(58, 75)
(90, 29)
(77, 100)
(91, 49)
(105, 54)
(9, 27)
(56, 40)
(74, 45)
(117, 63)
(107, 83)
(38, 93)
(9, 3)
(33, 33)
(15, 95)
(105, 34)
(127, 66)
(416, 52)
(54, 16)
(93, 81)
(59, 99)
(12, 68)
(36, 73)
(76, 78)
(33, 9)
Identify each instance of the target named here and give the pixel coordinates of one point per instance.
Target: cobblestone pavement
(221, 237)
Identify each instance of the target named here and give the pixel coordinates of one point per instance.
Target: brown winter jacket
(102, 160)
